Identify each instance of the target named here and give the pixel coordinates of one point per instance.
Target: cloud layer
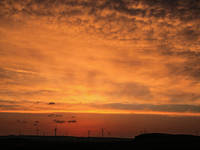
(113, 54)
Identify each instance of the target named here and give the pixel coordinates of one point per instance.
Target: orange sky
(120, 125)
(105, 56)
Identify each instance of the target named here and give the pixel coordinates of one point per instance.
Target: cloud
(59, 121)
(110, 51)
(72, 121)
(36, 121)
(150, 107)
(185, 70)
(51, 103)
(50, 115)
(6, 101)
(23, 121)
(130, 90)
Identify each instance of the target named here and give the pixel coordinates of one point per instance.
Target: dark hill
(166, 137)
(154, 141)
(167, 141)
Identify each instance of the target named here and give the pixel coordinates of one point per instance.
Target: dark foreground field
(153, 141)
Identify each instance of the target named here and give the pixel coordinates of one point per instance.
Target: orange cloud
(77, 53)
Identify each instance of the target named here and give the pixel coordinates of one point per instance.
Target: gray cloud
(12, 107)
(191, 70)
(24, 122)
(50, 115)
(6, 101)
(18, 76)
(59, 121)
(151, 107)
(174, 9)
(181, 97)
(119, 19)
(51, 103)
(72, 121)
(130, 90)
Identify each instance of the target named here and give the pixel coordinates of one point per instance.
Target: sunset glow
(108, 57)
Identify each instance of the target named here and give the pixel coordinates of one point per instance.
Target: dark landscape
(153, 141)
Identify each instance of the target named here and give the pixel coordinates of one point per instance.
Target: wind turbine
(102, 131)
(37, 131)
(109, 133)
(145, 131)
(55, 130)
(88, 133)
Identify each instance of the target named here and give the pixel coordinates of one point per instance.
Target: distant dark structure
(102, 131)
(145, 131)
(88, 133)
(65, 134)
(43, 133)
(55, 130)
(37, 131)
(109, 134)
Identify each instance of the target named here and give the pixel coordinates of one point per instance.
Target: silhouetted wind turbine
(102, 131)
(55, 130)
(109, 133)
(145, 131)
(43, 133)
(37, 131)
(88, 133)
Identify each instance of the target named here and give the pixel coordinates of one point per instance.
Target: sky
(120, 60)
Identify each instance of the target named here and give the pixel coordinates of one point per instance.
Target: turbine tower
(37, 131)
(109, 133)
(88, 133)
(55, 130)
(102, 131)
